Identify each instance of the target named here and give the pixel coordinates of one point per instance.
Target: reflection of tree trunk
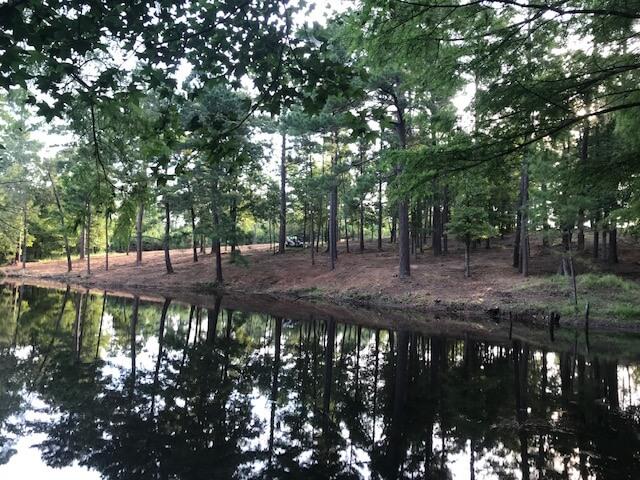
(611, 369)
(18, 314)
(212, 319)
(76, 326)
(134, 324)
(357, 372)
(163, 318)
(274, 384)
(328, 373)
(186, 346)
(396, 440)
(57, 327)
(104, 303)
(375, 388)
(520, 369)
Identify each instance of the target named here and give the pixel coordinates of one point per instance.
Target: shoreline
(366, 282)
(601, 339)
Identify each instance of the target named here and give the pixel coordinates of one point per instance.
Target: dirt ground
(368, 278)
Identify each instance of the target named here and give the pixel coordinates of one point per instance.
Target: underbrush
(610, 297)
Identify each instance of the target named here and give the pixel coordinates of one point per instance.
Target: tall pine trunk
(24, 237)
(524, 223)
(106, 241)
(613, 245)
(380, 211)
(404, 249)
(283, 195)
(89, 238)
(139, 234)
(193, 234)
(167, 227)
(467, 256)
(333, 208)
(65, 235)
(81, 241)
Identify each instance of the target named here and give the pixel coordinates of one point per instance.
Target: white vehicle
(293, 242)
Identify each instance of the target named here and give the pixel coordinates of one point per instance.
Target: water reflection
(126, 388)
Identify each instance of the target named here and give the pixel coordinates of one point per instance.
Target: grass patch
(610, 297)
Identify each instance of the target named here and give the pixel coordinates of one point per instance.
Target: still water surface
(95, 386)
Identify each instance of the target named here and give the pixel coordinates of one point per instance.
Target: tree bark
(379, 211)
(524, 223)
(89, 238)
(167, 228)
(233, 214)
(216, 246)
(444, 220)
(346, 232)
(516, 239)
(467, 256)
(613, 245)
(139, 234)
(106, 241)
(81, 242)
(404, 249)
(596, 238)
(24, 237)
(62, 224)
(333, 208)
(283, 195)
(193, 234)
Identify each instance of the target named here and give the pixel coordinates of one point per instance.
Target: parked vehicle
(294, 242)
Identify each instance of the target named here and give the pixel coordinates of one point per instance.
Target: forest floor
(370, 279)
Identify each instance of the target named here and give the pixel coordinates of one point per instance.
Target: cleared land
(370, 279)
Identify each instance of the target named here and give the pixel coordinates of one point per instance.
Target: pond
(99, 386)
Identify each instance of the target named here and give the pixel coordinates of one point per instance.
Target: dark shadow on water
(135, 390)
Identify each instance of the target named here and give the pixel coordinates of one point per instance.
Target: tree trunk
(62, 224)
(613, 245)
(333, 208)
(81, 242)
(596, 238)
(436, 232)
(313, 253)
(394, 223)
(216, 246)
(467, 256)
(516, 239)
(106, 241)
(380, 211)
(444, 220)
(193, 234)
(403, 248)
(167, 227)
(283, 195)
(524, 224)
(88, 238)
(304, 224)
(346, 233)
(233, 211)
(361, 226)
(24, 237)
(139, 234)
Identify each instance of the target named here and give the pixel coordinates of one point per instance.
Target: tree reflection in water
(134, 389)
